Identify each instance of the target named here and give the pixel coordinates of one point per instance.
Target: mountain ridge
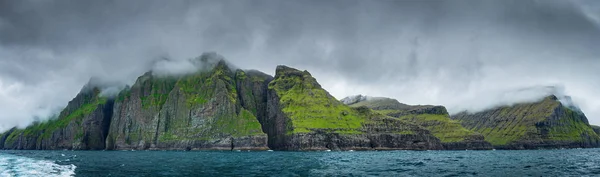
(219, 107)
(547, 123)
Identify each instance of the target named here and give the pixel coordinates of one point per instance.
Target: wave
(11, 165)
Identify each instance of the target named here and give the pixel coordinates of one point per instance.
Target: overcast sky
(465, 55)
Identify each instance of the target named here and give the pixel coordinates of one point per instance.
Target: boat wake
(11, 165)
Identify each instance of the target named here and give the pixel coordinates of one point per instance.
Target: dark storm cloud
(462, 54)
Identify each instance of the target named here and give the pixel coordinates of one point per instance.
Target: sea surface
(571, 162)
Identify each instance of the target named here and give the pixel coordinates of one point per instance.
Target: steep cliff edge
(303, 116)
(596, 129)
(214, 108)
(543, 124)
(82, 125)
(433, 118)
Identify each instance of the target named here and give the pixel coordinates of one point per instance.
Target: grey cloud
(464, 54)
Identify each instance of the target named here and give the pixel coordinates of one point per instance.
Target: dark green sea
(572, 162)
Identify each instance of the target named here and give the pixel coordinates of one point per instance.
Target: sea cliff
(219, 107)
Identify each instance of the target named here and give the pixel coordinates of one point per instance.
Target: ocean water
(572, 162)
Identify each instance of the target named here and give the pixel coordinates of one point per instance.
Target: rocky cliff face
(4, 136)
(303, 116)
(544, 124)
(82, 125)
(214, 109)
(436, 119)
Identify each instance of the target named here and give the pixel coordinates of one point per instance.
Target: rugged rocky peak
(283, 70)
(547, 123)
(223, 67)
(97, 83)
(551, 97)
(291, 76)
(208, 61)
(563, 102)
(93, 83)
(568, 102)
(87, 95)
(144, 77)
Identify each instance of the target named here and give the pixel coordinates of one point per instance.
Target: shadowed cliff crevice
(108, 113)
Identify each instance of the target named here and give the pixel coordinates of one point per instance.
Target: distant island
(220, 108)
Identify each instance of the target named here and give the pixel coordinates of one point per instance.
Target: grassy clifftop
(311, 107)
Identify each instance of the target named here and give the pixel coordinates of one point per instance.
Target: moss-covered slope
(81, 125)
(216, 108)
(303, 116)
(544, 124)
(433, 118)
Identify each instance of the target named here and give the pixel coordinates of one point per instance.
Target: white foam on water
(11, 165)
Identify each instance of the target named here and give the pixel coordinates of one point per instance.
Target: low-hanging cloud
(178, 67)
(462, 54)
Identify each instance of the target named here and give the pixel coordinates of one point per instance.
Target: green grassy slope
(311, 107)
(432, 118)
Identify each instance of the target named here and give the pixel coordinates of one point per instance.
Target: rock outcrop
(303, 116)
(436, 119)
(543, 124)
